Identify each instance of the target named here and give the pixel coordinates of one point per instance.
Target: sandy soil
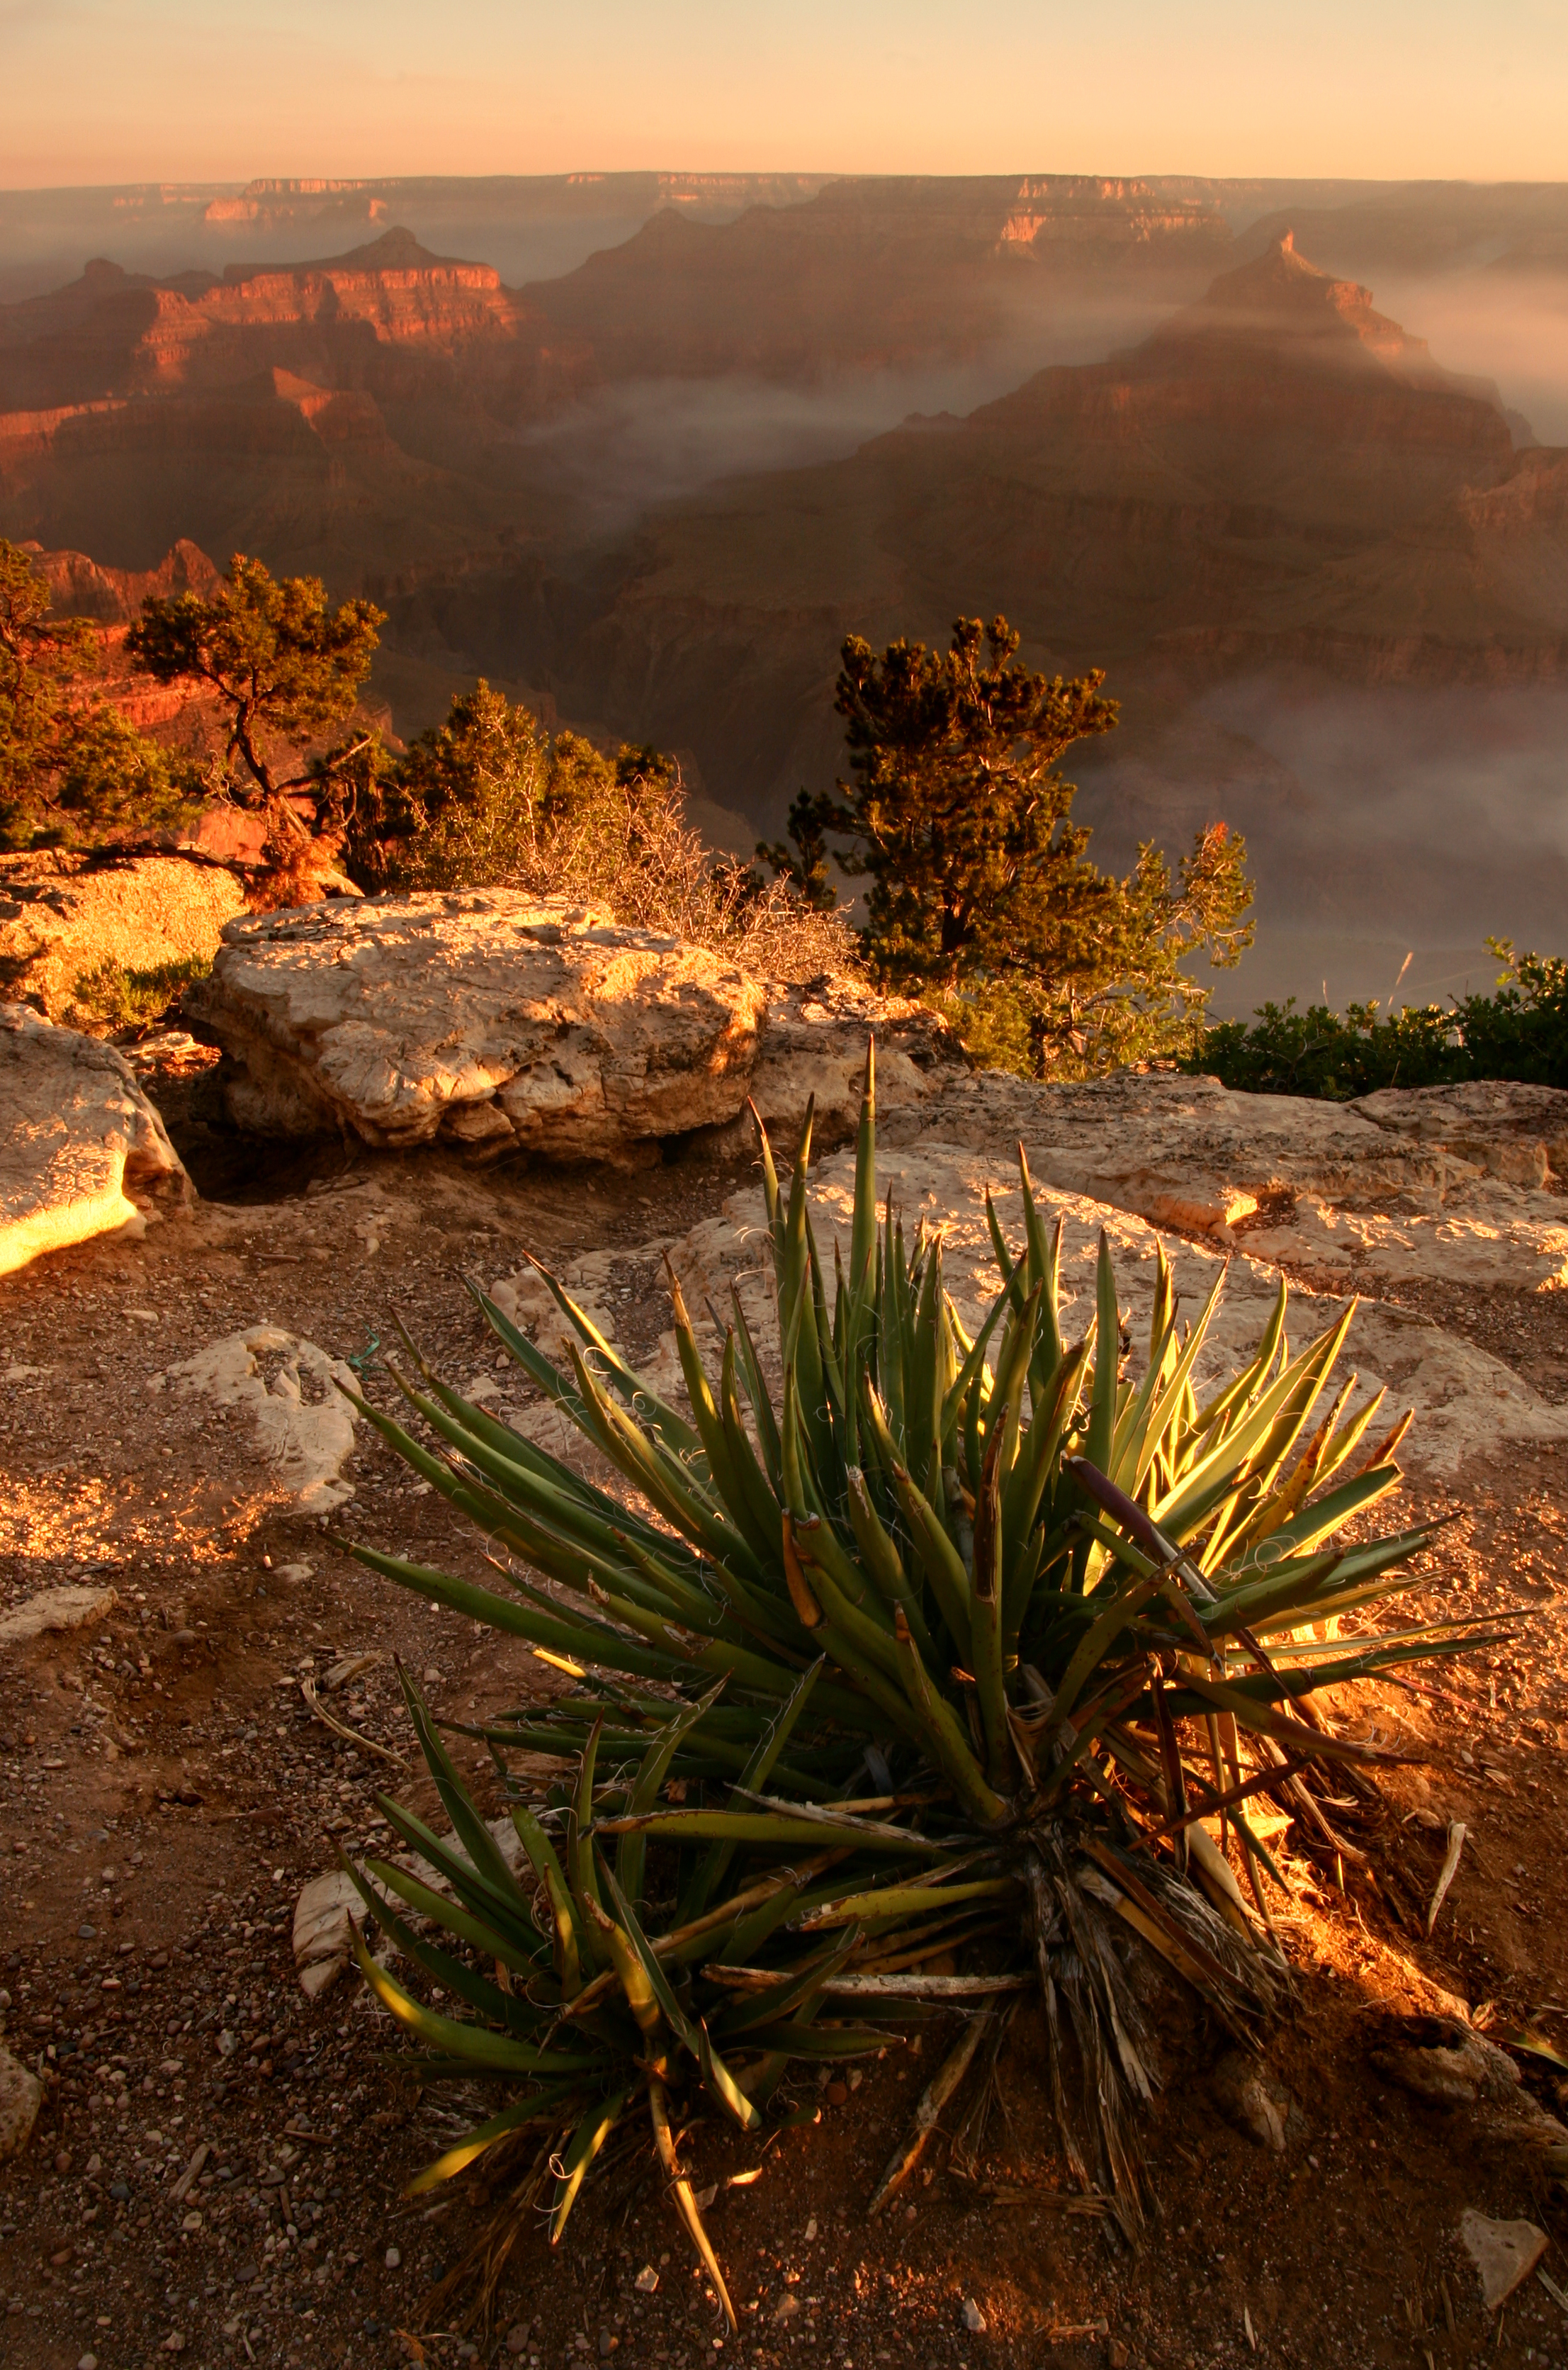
(165, 1790)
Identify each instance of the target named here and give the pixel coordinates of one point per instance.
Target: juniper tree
(981, 894)
(284, 665)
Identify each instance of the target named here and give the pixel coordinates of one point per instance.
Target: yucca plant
(947, 1642)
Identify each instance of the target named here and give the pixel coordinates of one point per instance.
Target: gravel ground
(218, 2172)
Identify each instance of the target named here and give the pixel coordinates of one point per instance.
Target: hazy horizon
(107, 91)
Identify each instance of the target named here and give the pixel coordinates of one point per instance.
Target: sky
(106, 91)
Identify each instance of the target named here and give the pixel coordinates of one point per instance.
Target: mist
(1505, 325)
(629, 447)
(1379, 824)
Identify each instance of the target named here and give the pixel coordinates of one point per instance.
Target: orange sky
(113, 91)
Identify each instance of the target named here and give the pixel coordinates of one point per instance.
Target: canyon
(649, 480)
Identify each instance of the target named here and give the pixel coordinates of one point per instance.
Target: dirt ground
(165, 1790)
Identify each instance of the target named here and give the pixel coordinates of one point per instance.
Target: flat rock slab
(302, 1425)
(1517, 1131)
(69, 1607)
(82, 1150)
(501, 1022)
(1466, 1402)
(1350, 1195)
(1504, 2253)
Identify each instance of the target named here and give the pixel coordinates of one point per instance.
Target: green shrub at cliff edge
(1519, 1033)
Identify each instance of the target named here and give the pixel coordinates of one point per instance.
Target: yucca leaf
(534, 2108)
(470, 1829)
(583, 2146)
(472, 2042)
(670, 1426)
(986, 1615)
(553, 1876)
(777, 1828)
(715, 1861)
(506, 1911)
(798, 2038)
(882, 1559)
(686, 2204)
(717, 2075)
(631, 1855)
(899, 1902)
(517, 2015)
(795, 1985)
(462, 1924)
(945, 1739)
(567, 1633)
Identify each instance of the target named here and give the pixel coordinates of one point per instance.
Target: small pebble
(647, 2280)
(392, 2258)
(517, 2338)
(974, 2318)
(811, 2228)
(88, 2362)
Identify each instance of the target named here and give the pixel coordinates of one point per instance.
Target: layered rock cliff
(1279, 472)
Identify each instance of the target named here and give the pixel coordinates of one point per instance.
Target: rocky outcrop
(1467, 1403)
(1516, 1132)
(80, 587)
(82, 1150)
(1409, 1184)
(500, 1022)
(63, 915)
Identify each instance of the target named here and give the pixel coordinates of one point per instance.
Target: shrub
(72, 771)
(1521, 1033)
(489, 800)
(110, 1001)
(1045, 1615)
(982, 899)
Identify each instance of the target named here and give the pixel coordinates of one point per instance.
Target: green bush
(73, 771)
(108, 1001)
(1521, 1033)
(981, 897)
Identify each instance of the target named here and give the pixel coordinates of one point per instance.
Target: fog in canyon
(686, 434)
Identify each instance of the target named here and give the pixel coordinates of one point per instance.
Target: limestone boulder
(70, 1605)
(21, 2096)
(63, 914)
(82, 1150)
(500, 1022)
(302, 1426)
(1186, 1152)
